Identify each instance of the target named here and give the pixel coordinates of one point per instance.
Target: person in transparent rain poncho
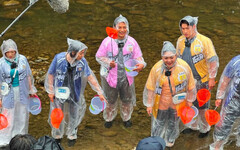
(168, 78)
(111, 55)
(198, 51)
(228, 93)
(70, 71)
(17, 85)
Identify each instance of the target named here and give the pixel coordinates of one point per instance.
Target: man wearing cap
(198, 51)
(168, 78)
(115, 82)
(69, 71)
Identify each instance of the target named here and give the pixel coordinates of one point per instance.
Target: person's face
(169, 59)
(188, 31)
(80, 55)
(122, 30)
(10, 54)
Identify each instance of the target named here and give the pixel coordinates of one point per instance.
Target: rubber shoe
(108, 124)
(58, 141)
(203, 135)
(71, 142)
(187, 131)
(127, 124)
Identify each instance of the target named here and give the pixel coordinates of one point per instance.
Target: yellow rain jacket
(181, 80)
(201, 49)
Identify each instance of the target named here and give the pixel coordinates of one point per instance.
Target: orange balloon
(3, 121)
(56, 117)
(111, 32)
(187, 114)
(212, 117)
(203, 95)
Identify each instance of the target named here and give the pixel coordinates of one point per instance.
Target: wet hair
(186, 22)
(22, 142)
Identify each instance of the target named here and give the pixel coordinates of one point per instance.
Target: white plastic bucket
(194, 117)
(129, 66)
(96, 105)
(35, 106)
(62, 92)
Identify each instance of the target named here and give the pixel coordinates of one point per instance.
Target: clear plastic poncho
(159, 93)
(115, 81)
(229, 91)
(204, 60)
(66, 79)
(16, 82)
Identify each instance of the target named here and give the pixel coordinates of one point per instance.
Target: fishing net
(60, 6)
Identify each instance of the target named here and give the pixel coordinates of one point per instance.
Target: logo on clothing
(197, 58)
(130, 48)
(182, 76)
(197, 49)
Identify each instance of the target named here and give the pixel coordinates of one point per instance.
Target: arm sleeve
(149, 89)
(212, 58)
(49, 79)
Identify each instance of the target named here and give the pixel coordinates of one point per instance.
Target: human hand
(149, 110)
(33, 95)
(218, 102)
(112, 64)
(139, 67)
(102, 98)
(0, 103)
(211, 83)
(189, 104)
(51, 96)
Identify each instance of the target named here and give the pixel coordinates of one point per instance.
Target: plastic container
(62, 92)
(194, 117)
(96, 105)
(34, 106)
(129, 66)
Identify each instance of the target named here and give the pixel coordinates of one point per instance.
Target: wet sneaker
(108, 124)
(71, 142)
(127, 124)
(58, 141)
(187, 131)
(203, 135)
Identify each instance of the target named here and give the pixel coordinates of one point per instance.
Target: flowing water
(41, 33)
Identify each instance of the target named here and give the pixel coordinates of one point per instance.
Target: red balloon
(203, 95)
(212, 117)
(56, 117)
(3, 121)
(111, 32)
(187, 113)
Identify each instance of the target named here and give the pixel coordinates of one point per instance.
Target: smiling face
(122, 30)
(188, 31)
(169, 59)
(11, 54)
